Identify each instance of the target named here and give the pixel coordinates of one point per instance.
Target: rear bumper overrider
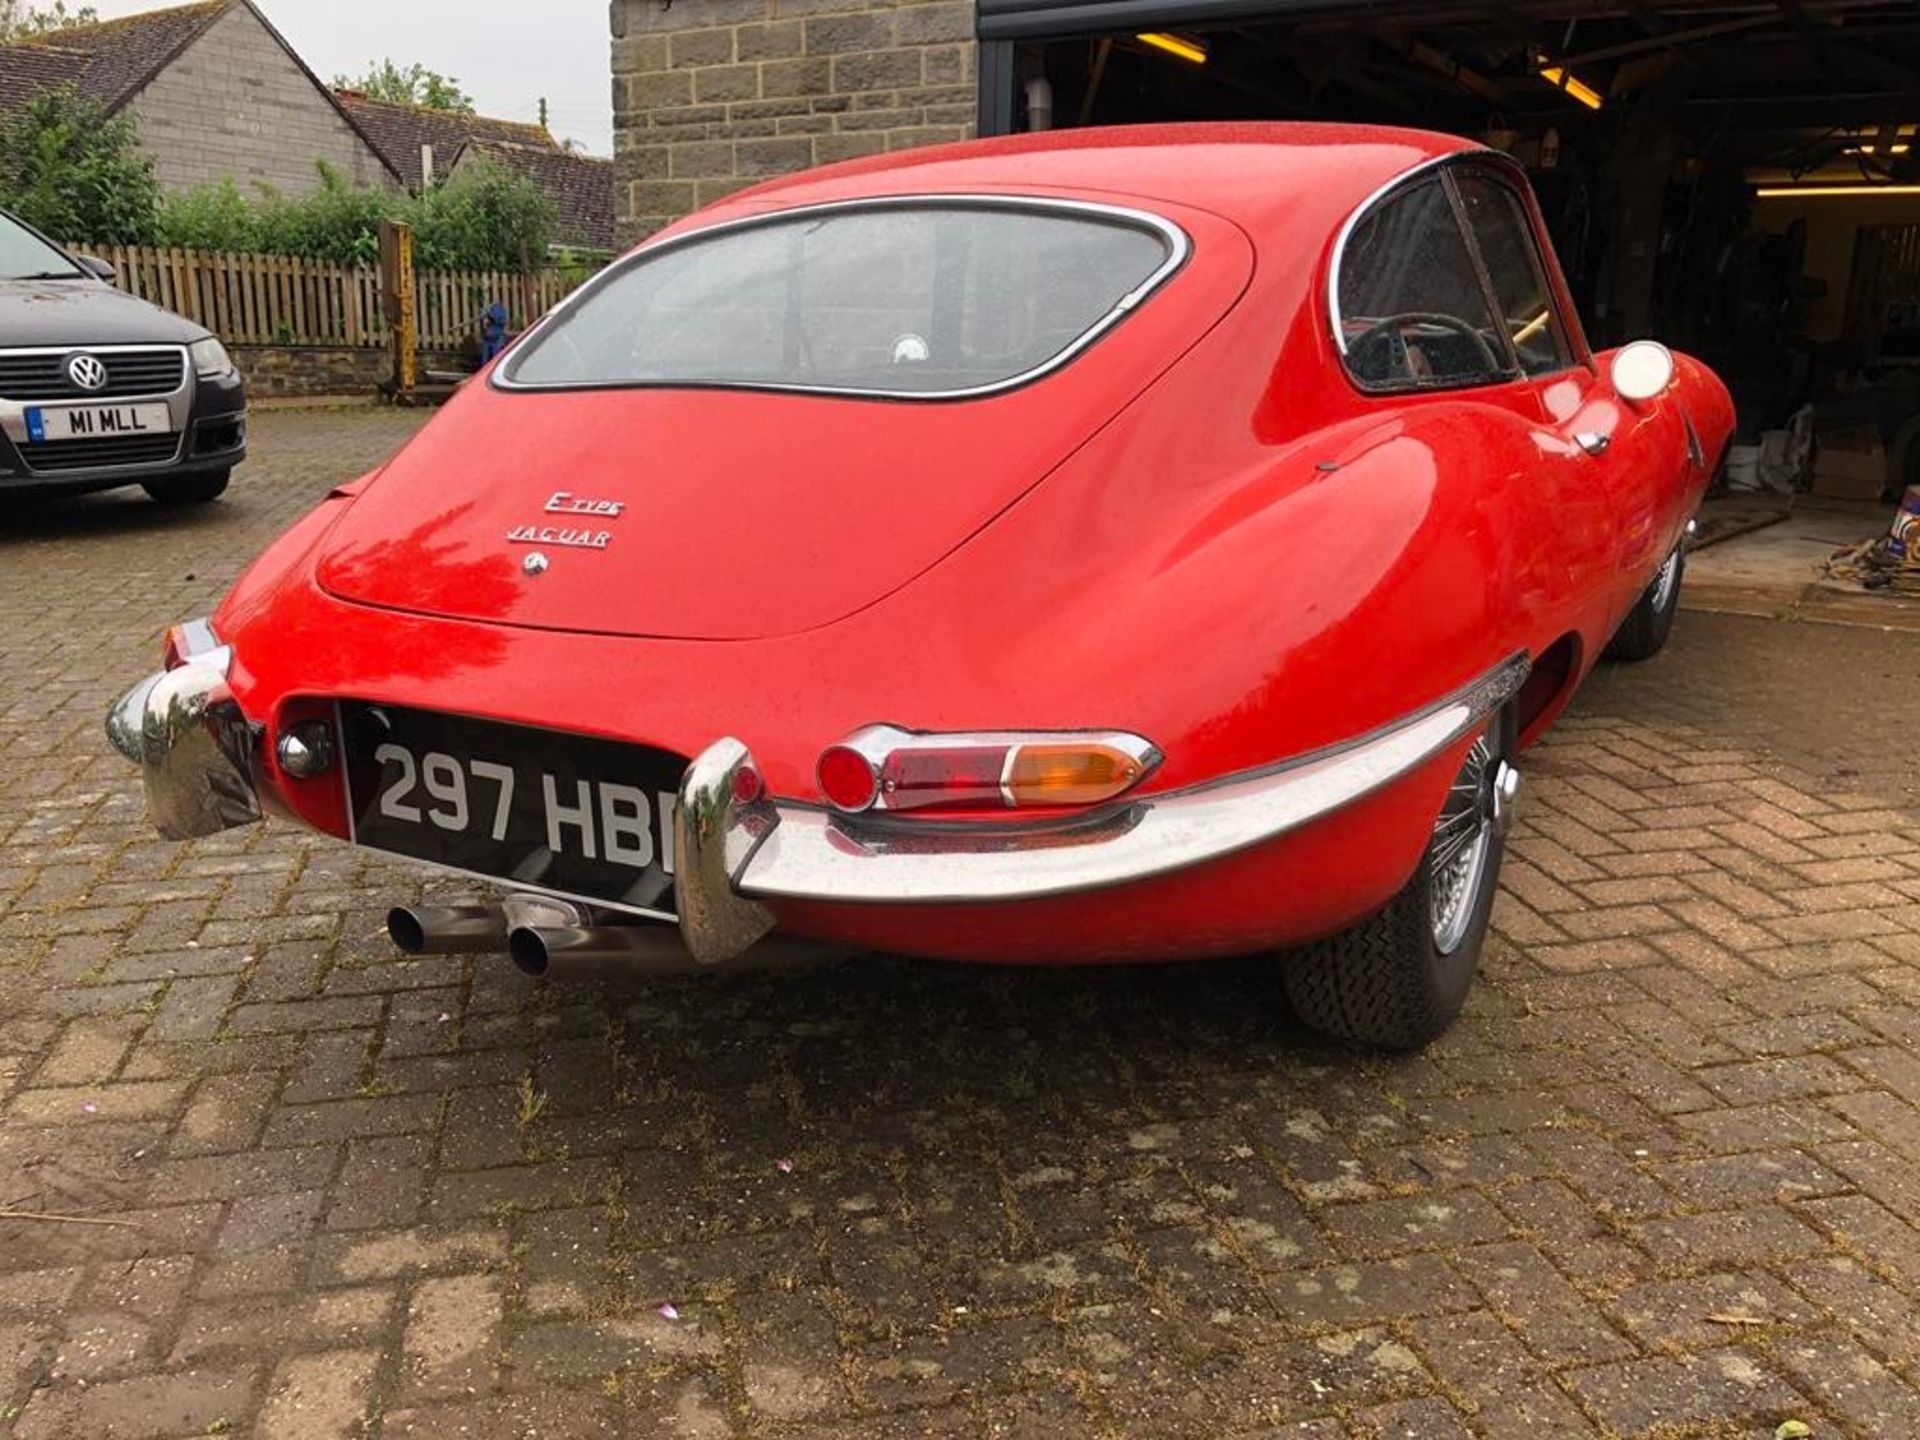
(199, 757)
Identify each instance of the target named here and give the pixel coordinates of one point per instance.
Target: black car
(99, 389)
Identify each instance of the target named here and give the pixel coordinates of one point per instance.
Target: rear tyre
(1643, 634)
(1398, 979)
(188, 489)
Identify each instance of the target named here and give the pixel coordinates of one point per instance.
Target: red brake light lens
(747, 785)
(943, 775)
(847, 778)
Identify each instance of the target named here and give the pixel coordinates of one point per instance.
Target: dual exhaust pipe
(543, 936)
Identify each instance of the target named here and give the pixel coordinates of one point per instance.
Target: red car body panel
(1199, 531)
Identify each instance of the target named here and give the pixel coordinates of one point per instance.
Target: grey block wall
(235, 104)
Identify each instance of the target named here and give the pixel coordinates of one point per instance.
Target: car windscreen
(914, 299)
(25, 256)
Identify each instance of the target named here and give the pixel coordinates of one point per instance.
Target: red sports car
(1118, 544)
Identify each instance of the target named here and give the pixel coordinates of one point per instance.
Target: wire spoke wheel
(1399, 977)
(1462, 836)
(1664, 582)
(1644, 629)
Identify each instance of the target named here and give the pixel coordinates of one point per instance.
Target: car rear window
(913, 299)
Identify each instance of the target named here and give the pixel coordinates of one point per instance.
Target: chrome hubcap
(1664, 582)
(1478, 808)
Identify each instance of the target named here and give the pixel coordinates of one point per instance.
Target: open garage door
(1742, 179)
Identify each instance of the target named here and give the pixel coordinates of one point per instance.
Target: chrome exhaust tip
(641, 949)
(446, 929)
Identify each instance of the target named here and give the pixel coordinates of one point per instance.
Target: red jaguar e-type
(1116, 544)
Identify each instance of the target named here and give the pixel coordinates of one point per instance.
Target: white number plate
(48, 423)
(568, 813)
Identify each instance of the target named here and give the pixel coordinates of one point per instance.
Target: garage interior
(1741, 180)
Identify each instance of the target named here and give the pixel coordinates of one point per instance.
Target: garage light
(1564, 80)
(1194, 52)
(1822, 192)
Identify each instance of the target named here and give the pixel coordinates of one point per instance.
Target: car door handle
(1594, 442)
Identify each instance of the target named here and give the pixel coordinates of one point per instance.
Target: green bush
(212, 217)
(483, 217)
(74, 171)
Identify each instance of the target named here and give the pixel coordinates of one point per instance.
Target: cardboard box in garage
(1850, 464)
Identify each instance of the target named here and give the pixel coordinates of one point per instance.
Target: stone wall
(710, 96)
(235, 103)
(280, 371)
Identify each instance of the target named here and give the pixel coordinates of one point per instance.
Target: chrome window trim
(1179, 248)
(1580, 357)
(1352, 223)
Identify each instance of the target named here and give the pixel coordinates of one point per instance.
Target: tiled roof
(398, 131)
(26, 70)
(580, 187)
(108, 61)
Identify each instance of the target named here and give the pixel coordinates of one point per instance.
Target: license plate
(49, 423)
(542, 810)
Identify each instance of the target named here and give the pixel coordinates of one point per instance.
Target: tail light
(194, 641)
(886, 768)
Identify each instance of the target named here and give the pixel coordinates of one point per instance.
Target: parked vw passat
(1110, 545)
(99, 389)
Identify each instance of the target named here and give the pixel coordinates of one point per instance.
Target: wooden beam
(1674, 38)
(1648, 19)
(1103, 49)
(1815, 43)
(1441, 64)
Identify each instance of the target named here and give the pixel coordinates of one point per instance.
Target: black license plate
(544, 810)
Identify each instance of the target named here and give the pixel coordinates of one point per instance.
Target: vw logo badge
(87, 372)
(535, 563)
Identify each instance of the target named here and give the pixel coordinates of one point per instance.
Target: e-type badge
(563, 502)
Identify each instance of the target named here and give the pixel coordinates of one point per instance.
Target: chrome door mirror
(1642, 371)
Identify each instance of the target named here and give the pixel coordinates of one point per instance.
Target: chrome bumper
(791, 852)
(195, 749)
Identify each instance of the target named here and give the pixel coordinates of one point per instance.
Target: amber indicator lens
(174, 652)
(1070, 774)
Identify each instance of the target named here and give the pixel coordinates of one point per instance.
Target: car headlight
(210, 359)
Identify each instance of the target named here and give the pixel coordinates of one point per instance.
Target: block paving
(262, 1176)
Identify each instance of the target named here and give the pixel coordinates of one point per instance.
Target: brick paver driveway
(1656, 1181)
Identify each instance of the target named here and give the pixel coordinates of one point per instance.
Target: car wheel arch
(1550, 685)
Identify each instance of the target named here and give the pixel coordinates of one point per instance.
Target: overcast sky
(505, 53)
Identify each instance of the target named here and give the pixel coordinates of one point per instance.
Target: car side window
(1413, 313)
(1501, 229)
